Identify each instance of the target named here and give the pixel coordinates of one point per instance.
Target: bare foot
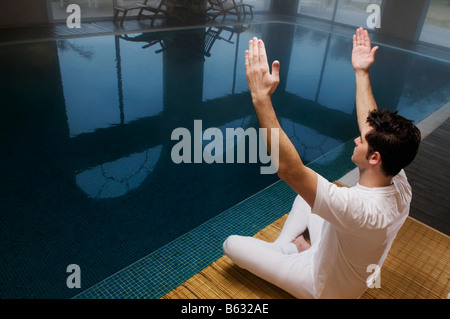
(301, 243)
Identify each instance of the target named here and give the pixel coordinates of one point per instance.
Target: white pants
(279, 262)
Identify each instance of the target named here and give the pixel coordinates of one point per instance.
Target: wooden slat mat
(417, 267)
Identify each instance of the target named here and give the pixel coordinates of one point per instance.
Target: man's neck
(370, 178)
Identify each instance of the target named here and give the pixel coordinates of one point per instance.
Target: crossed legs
(287, 262)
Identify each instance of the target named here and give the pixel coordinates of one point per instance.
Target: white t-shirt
(360, 225)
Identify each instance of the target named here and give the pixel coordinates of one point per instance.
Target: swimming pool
(86, 171)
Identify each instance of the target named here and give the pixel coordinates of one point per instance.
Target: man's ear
(375, 158)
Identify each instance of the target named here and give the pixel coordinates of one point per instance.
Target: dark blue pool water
(86, 171)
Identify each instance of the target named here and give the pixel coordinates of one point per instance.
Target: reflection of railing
(318, 144)
(115, 179)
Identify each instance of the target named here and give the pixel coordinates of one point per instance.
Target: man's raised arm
(362, 58)
(262, 85)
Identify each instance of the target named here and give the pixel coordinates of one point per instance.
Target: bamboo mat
(417, 267)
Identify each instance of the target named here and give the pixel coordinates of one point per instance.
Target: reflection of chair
(144, 37)
(211, 36)
(221, 7)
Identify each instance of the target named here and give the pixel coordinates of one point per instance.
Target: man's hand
(362, 55)
(261, 82)
(362, 58)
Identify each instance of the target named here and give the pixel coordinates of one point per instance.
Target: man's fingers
(250, 51)
(366, 38)
(255, 50)
(358, 36)
(374, 50)
(276, 70)
(262, 52)
(246, 59)
(361, 38)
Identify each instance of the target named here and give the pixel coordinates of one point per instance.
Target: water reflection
(117, 178)
(107, 85)
(309, 149)
(122, 80)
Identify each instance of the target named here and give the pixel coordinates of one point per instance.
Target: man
(351, 229)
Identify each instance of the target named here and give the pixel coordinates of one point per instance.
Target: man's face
(359, 156)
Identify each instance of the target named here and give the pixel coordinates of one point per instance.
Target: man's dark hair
(394, 137)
